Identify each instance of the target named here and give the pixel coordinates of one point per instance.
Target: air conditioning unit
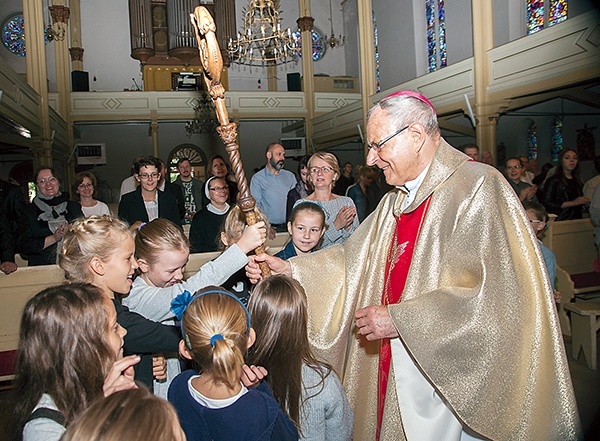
(91, 154)
(294, 147)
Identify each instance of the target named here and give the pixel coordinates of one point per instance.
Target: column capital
(76, 53)
(305, 23)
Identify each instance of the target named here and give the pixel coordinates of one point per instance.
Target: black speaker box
(294, 82)
(80, 81)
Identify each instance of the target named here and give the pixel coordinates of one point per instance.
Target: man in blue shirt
(270, 186)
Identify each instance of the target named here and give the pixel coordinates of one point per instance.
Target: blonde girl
(100, 250)
(306, 227)
(133, 414)
(162, 252)
(307, 388)
(70, 352)
(212, 403)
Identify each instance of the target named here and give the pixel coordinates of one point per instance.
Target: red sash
(397, 265)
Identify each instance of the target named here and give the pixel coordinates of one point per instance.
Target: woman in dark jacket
(563, 192)
(46, 219)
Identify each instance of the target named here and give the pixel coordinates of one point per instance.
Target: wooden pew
(17, 288)
(573, 243)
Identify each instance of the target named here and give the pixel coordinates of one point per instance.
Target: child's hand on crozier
(252, 237)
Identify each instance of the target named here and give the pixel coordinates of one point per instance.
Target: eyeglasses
(535, 221)
(48, 180)
(379, 145)
(146, 176)
(82, 186)
(218, 188)
(323, 170)
(514, 167)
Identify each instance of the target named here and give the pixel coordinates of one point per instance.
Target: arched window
(532, 141)
(13, 34)
(557, 138)
(436, 34)
(318, 43)
(194, 154)
(541, 13)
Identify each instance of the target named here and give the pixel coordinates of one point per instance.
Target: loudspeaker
(294, 82)
(80, 81)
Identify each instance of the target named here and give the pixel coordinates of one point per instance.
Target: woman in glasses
(206, 224)
(46, 219)
(340, 211)
(147, 202)
(83, 190)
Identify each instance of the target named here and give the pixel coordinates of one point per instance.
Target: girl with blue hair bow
(212, 402)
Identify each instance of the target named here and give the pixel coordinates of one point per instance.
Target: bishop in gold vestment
(477, 314)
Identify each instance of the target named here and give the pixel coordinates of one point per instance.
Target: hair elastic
(214, 339)
(412, 94)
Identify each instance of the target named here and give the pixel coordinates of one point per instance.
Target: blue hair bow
(180, 303)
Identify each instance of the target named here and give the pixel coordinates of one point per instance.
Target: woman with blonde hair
(340, 211)
(212, 403)
(83, 190)
(133, 414)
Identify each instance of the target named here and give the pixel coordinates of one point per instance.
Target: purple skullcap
(412, 94)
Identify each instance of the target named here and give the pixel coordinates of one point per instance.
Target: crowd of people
(365, 338)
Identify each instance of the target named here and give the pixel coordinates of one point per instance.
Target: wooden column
(63, 70)
(154, 132)
(368, 80)
(37, 75)
(76, 49)
(483, 42)
(305, 23)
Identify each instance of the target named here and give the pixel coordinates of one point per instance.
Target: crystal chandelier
(57, 23)
(262, 40)
(332, 41)
(205, 120)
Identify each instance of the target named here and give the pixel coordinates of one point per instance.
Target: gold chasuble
(477, 313)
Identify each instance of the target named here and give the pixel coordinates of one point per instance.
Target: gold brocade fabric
(477, 313)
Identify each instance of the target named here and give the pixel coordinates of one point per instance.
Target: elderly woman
(207, 223)
(46, 219)
(340, 211)
(83, 190)
(217, 166)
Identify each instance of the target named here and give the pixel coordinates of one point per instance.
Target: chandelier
(205, 120)
(262, 40)
(332, 41)
(57, 26)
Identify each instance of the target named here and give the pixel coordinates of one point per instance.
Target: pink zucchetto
(411, 94)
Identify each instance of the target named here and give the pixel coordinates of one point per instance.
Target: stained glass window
(376, 42)
(532, 142)
(436, 34)
(558, 11)
(13, 35)
(557, 138)
(318, 44)
(536, 18)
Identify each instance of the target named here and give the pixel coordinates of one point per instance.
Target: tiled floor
(585, 382)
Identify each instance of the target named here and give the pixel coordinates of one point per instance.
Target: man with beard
(271, 185)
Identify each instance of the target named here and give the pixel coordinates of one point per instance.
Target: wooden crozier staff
(212, 63)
